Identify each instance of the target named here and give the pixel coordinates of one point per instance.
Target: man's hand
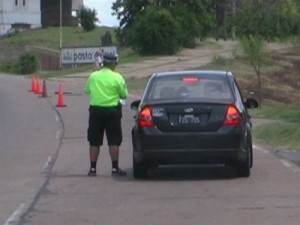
(123, 101)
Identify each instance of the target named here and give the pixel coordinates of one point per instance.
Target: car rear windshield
(207, 88)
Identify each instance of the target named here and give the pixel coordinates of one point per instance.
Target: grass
(278, 112)
(50, 37)
(285, 132)
(279, 135)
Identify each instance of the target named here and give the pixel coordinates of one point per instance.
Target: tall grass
(50, 37)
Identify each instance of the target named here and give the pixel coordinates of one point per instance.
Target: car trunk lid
(193, 117)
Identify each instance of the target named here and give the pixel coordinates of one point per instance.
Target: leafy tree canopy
(192, 19)
(269, 19)
(88, 18)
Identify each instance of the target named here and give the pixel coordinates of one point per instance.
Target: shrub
(9, 67)
(155, 32)
(27, 63)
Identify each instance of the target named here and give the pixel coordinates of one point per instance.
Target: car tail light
(232, 117)
(146, 118)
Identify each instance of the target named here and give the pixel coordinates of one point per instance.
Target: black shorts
(106, 119)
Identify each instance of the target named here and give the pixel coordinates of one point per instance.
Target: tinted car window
(198, 88)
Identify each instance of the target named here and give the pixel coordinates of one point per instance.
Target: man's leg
(94, 154)
(114, 155)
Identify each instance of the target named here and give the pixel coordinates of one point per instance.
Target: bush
(27, 63)
(10, 67)
(155, 32)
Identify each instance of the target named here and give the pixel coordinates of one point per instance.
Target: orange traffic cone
(38, 86)
(44, 92)
(33, 84)
(60, 100)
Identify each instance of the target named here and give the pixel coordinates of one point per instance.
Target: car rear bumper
(159, 157)
(196, 148)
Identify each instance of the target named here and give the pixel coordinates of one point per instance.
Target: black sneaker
(92, 172)
(118, 172)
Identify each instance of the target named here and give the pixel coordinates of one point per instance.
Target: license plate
(189, 119)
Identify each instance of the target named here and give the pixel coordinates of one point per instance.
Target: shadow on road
(184, 173)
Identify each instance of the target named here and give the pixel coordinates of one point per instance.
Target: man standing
(106, 88)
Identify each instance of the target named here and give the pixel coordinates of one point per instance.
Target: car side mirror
(135, 105)
(251, 103)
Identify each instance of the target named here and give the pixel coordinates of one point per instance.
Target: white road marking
(284, 162)
(290, 165)
(48, 163)
(57, 134)
(16, 216)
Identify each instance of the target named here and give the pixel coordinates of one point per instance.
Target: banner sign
(84, 55)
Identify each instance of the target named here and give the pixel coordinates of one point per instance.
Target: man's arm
(123, 91)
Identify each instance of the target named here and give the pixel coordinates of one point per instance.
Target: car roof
(220, 73)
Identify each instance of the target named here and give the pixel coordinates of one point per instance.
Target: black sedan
(192, 117)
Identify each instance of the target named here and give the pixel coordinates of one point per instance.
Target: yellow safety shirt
(106, 87)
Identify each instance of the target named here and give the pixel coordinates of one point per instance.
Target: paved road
(29, 136)
(67, 196)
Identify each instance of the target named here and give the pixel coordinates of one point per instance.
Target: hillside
(49, 38)
(282, 84)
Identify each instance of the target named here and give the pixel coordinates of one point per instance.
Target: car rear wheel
(139, 169)
(243, 168)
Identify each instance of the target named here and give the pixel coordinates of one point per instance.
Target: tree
(269, 19)
(88, 18)
(193, 18)
(253, 46)
(156, 32)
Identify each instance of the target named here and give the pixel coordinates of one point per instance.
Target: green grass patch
(297, 162)
(283, 134)
(50, 37)
(279, 135)
(280, 112)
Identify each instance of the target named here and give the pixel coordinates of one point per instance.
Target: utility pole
(60, 32)
(2, 17)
